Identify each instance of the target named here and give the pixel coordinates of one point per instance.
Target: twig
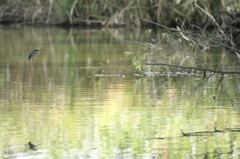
(72, 10)
(211, 17)
(49, 11)
(195, 68)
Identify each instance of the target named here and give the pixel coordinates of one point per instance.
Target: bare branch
(195, 68)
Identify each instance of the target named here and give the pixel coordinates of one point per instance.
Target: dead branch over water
(195, 68)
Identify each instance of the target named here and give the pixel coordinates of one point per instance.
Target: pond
(80, 97)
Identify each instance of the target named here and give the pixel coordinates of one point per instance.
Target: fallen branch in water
(195, 68)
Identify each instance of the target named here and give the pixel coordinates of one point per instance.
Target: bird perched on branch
(33, 53)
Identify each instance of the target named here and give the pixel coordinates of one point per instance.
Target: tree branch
(195, 68)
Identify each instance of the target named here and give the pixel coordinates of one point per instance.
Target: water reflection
(79, 99)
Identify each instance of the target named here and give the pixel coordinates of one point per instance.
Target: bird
(33, 53)
(31, 146)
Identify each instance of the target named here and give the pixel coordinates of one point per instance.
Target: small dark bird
(33, 53)
(31, 146)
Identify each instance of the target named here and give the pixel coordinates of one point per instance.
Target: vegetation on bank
(103, 13)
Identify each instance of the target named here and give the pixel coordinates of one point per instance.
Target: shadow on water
(81, 97)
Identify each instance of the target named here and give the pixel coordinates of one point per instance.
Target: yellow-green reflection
(56, 101)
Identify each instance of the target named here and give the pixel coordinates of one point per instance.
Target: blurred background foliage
(75, 12)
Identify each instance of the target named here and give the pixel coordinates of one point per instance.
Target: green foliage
(148, 31)
(137, 63)
(128, 53)
(137, 60)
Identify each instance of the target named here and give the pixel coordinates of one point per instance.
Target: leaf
(128, 53)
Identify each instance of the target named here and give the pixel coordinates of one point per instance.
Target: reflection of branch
(225, 93)
(219, 82)
(195, 68)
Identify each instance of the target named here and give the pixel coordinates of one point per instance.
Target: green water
(79, 98)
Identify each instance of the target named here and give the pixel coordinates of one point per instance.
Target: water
(79, 98)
